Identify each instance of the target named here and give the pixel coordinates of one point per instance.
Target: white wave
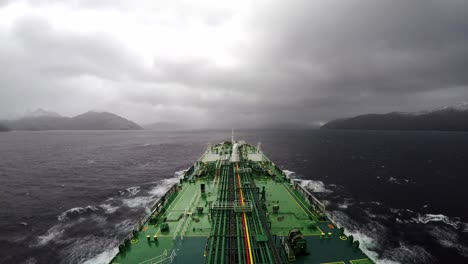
(386, 261)
(137, 202)
(345, 204)
(290, 174)
(108, 208)
(125, 226)
(106, 254)
(428, 218)
(103, 250)
(398, 181)
(450, 239)
(103, 258)
(164, 185)
(159, 190)
(76, 211)
(371, 215)
(367, 243)
(82, 248)
(399, 210)
(53, 233)
(18, 238)
(314, 186)
(408, 254)
(369, 237)
(56, 233)
(180, 174)
(131, 191)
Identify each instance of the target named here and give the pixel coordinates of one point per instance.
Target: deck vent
(275, 208)
(200, 210)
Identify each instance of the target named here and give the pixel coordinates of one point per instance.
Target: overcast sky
(239, 63)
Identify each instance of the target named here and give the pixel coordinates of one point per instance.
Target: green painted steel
(217, 233)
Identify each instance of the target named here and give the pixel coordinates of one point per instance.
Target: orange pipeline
(246, 227)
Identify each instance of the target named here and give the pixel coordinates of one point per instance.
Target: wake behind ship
(234, 205)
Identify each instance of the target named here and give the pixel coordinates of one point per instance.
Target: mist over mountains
(445, 119)
(46, 120)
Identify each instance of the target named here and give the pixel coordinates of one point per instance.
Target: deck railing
(310, 197)
(161, 259)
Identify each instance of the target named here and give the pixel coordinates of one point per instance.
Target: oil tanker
(234, 205)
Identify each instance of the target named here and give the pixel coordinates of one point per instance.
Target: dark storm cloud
(298, 61)
(335, 52)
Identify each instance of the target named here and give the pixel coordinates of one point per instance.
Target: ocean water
(70, 197)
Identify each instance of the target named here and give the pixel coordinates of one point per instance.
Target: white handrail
(161, 259)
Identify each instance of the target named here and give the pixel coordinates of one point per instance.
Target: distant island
(446, 119)
(46, 120)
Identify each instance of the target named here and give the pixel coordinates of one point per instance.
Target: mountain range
(445, 119)
(45, 120)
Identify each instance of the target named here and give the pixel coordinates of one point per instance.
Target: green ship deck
(236, 206)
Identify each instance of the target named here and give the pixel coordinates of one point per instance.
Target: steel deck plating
(234, 205)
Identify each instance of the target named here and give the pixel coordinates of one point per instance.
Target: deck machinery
(234, 205)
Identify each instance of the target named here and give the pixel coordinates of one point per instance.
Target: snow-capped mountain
(41, 113)
(454, 118)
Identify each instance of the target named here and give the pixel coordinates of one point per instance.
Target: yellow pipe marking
(245, 219)
(248, 239)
